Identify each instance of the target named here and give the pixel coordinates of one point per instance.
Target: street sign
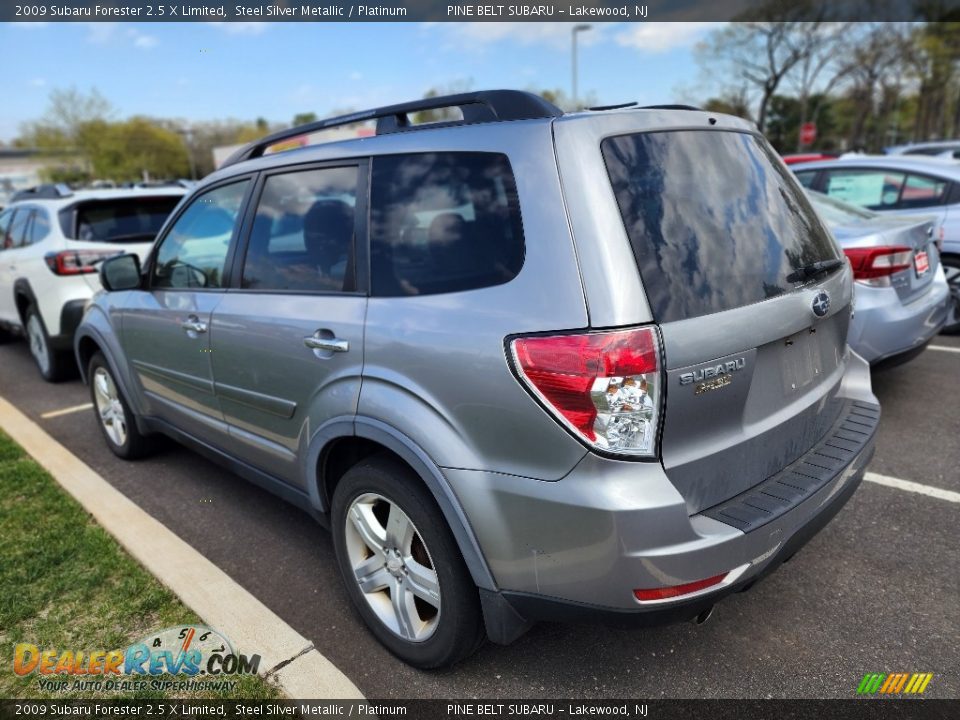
(808, 133)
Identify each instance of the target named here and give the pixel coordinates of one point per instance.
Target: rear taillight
(77, 262)
(875, 265)
(603, 386)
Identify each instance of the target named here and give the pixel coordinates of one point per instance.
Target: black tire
(951, 266)
(134, 444)
(457, 626)
(53, 365)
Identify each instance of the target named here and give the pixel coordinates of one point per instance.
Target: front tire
(54, 366)
(117, 422)
(951, 268)
(402, 567)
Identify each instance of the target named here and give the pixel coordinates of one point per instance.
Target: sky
(209, 71)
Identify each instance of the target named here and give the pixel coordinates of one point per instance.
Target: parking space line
(911, 486)
(66, 411)
(292, 660)
(943, 348)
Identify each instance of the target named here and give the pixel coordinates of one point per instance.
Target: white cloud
(142, 40)
(477, 35)
(101, 32)
(241, 28)
(657, 37)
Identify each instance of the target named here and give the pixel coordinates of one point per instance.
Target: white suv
(51, 242)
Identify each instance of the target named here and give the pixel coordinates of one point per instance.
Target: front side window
(442, 223)
(303, 234)
(194, 251)
(873, 189)
(714, 219)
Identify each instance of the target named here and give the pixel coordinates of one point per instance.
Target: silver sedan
(901, 290)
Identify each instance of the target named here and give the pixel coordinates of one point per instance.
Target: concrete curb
(286, 656)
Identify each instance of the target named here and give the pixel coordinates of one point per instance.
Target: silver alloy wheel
(392, 566)
(109, 407)
(38, 343)
(953, 280)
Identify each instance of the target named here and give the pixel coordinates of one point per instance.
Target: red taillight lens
(77, 262)
(604, 386)
(878, 262)
(665, 593)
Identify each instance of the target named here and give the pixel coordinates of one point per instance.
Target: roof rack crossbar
(476, 107)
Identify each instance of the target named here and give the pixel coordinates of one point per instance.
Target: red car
(807, 157)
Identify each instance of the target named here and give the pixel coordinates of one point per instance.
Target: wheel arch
(336, 449)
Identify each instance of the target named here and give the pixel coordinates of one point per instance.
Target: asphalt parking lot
(877, 591)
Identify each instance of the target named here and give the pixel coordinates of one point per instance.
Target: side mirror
(120, 273)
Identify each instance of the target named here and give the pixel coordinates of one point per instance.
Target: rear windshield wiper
(813, 269)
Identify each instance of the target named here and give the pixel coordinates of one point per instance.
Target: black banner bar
(479, 11)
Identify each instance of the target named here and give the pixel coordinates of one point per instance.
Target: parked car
(901, 293)
(525, 366)
(51, 240)
(946, 149)
(899, 185)
(795, 158)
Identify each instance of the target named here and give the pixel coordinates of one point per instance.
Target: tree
(770, 44)
(304, 118)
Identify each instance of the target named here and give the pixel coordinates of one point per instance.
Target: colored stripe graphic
(894, 683)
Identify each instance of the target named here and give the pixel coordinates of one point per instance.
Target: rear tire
(951, 267)
(53, 365)
(415, 592)
(114, 416)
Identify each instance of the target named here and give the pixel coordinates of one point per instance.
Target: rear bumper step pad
(782, 492)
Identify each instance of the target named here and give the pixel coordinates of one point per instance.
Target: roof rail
(476, 107)
(48, 191)
(670, 107)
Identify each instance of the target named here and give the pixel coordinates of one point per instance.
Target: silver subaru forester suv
(525, 365)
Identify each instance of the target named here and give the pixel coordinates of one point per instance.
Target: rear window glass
(126, 220)
(442, 223)
(714, 219)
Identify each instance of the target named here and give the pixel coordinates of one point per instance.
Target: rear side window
(17, 232)
(443, 223)
(806, 177)
(121, 220)
(714, 219)
(6, 218)
(874, 189)
(40, 226)
(920, 191)
(302, 237)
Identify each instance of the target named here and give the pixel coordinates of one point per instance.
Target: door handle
(332, 344)
(194, 324)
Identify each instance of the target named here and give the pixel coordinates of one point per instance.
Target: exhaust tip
(703, 616)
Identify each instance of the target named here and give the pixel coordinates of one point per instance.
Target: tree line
(866, 85)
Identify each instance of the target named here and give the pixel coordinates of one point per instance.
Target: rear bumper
(577, 548)
(883, 327)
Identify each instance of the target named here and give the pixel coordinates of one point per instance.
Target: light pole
(573, 41)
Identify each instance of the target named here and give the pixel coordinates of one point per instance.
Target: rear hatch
(121, 224)
(754, 339)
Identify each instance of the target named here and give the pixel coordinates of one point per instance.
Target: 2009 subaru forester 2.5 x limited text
(525, 365)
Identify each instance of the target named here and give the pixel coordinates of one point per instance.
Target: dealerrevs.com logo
(202, 654)
(894, 683)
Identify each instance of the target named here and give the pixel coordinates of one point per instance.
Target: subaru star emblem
(821, 303)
